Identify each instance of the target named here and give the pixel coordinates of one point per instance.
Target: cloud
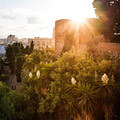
(2, 27)
(33, 20)
(24, 23)
(20, 14)
(5, 14)
(12, 14)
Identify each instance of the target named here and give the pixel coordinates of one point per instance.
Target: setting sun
(78, 10)
(79, 20)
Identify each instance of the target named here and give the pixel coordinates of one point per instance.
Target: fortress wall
(82, 47)
(105, 47)
(85, 36)
(60, 30)
(109, 47)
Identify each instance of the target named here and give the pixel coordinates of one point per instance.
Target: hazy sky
(30, 18)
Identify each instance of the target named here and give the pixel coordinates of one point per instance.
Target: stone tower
(83, 34)
(60, 30)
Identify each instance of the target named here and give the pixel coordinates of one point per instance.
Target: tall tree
(108, 12)
(31, 47)
(19, 64)
(10, 54)
(15, 55)
(1, 65)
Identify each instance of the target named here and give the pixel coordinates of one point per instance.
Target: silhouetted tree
(1, 65)
(10, 54)
(15, 55)
(26, 50)
(31, 47)
(108, 12)
(19, 64)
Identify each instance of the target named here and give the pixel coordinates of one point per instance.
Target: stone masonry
(83, 34)
(60, 30)
(86, 35)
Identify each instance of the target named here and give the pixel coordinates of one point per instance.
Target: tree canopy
(56, 93)
(108, 12)
(66, 87)
(15, 54)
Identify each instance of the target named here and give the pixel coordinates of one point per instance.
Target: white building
(24, 41)
(11, 39)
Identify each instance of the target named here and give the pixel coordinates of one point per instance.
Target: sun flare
(79, 20)
(79, 10)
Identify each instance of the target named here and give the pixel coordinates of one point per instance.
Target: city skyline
(30, 18)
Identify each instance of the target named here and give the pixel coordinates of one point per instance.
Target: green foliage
(3, 75)
(53, 96)
(56, 94)
(31, 47)
(86, 96)
(6, 104)
(15, 54)
(1, 65)
(10, 54)
(37, 58)
(7, 108)
(19, 64)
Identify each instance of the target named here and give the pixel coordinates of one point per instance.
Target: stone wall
(109, 47)
(60, 30)
(82, 47)
(86, 35)
(40, 43)
(83, 33)
(105, 47)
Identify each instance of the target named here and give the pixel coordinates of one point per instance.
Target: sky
(33, 18)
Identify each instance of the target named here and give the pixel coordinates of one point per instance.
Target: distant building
(40, 43)
(24, 41)
(12, 39)
(3, 41)
(30, 40)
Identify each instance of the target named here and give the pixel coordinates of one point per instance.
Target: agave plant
(107, 96)
(85, 96)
